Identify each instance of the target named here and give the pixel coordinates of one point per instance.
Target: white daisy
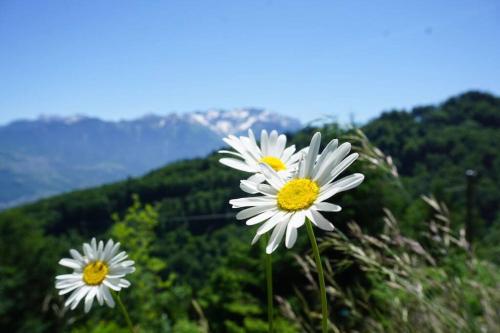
(286, 203)
(99, 269)
(249, 155)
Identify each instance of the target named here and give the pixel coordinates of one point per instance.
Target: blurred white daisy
(286, 203)
(99, 269)
(248, 156)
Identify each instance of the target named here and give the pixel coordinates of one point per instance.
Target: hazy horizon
(348, 117)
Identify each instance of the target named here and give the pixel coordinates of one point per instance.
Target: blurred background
(111, 113)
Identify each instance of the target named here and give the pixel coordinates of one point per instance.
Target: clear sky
(122, 59)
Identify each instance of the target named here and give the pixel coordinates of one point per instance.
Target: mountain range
(53, 154)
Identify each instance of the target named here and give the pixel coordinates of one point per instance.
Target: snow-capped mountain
(54, 154)
(240, 120)
(221, 122)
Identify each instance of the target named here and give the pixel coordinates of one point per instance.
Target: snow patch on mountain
(224, 122)
(219, 121)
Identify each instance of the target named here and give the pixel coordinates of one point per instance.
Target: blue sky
(122, 59)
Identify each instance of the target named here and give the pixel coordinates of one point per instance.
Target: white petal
(72, 276)
(112, 283)
(344, 165)
(243, 147)
(232, 153)
(319, 220)
(251, 136)
(256, 238)
(272, 222)
(90, 299)
(72, 297)
(119, 272)
(272, 176)
(276, 236)
(312, 154)
(248, 187)
(107, 296)
(326, 207)
(89, 252)
(99, 294)
(331, 162)
(330, 147)
(257, 178)
(76, 297)
(273, 138)
(340, 185)
(295, 158)
(264, 143)
(236, 164)
(124, 283)
(76, 255)
(93, 243)
(62, 284)
(302, 167)
(119, 257)
(252, 151)
(69, 288)
(298, 219)
(107, 250)
(267, 190)
(71, 263)
(280, 145)
(291, 236)
(127, 263)
(341, 152)
(349, 182)
(252, 211)
(261, 217)
(287, 153)
(235, 143)
(100, 249)
(112, 252)
(252, 201)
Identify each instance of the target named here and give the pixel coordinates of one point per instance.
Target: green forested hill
(209, 273)
(433, 146)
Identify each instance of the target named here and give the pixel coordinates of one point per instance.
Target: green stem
(124, 311)
(321, 277)
(269, 280)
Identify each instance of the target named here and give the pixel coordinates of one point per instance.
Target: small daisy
(99, 269)
(249, 155)
(286, 203)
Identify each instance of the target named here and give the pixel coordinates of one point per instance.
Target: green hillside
(198, 273)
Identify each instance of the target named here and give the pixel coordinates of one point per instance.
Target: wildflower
(249, 156)
(99, 269)
(286, 203)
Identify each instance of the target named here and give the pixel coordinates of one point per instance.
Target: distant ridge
(54, 154)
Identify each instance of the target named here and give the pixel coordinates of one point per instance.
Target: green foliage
(101, 327)
(185, 326)
(25, 256)
(434, 145)
(399, 285)
(149, 298)
(196, 270)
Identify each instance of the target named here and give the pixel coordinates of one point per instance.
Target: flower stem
(321, 277)
(124, 311)
(269, 280)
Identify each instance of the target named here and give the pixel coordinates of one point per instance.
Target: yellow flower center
(298, 194)
(273, 162)
(94, 273)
